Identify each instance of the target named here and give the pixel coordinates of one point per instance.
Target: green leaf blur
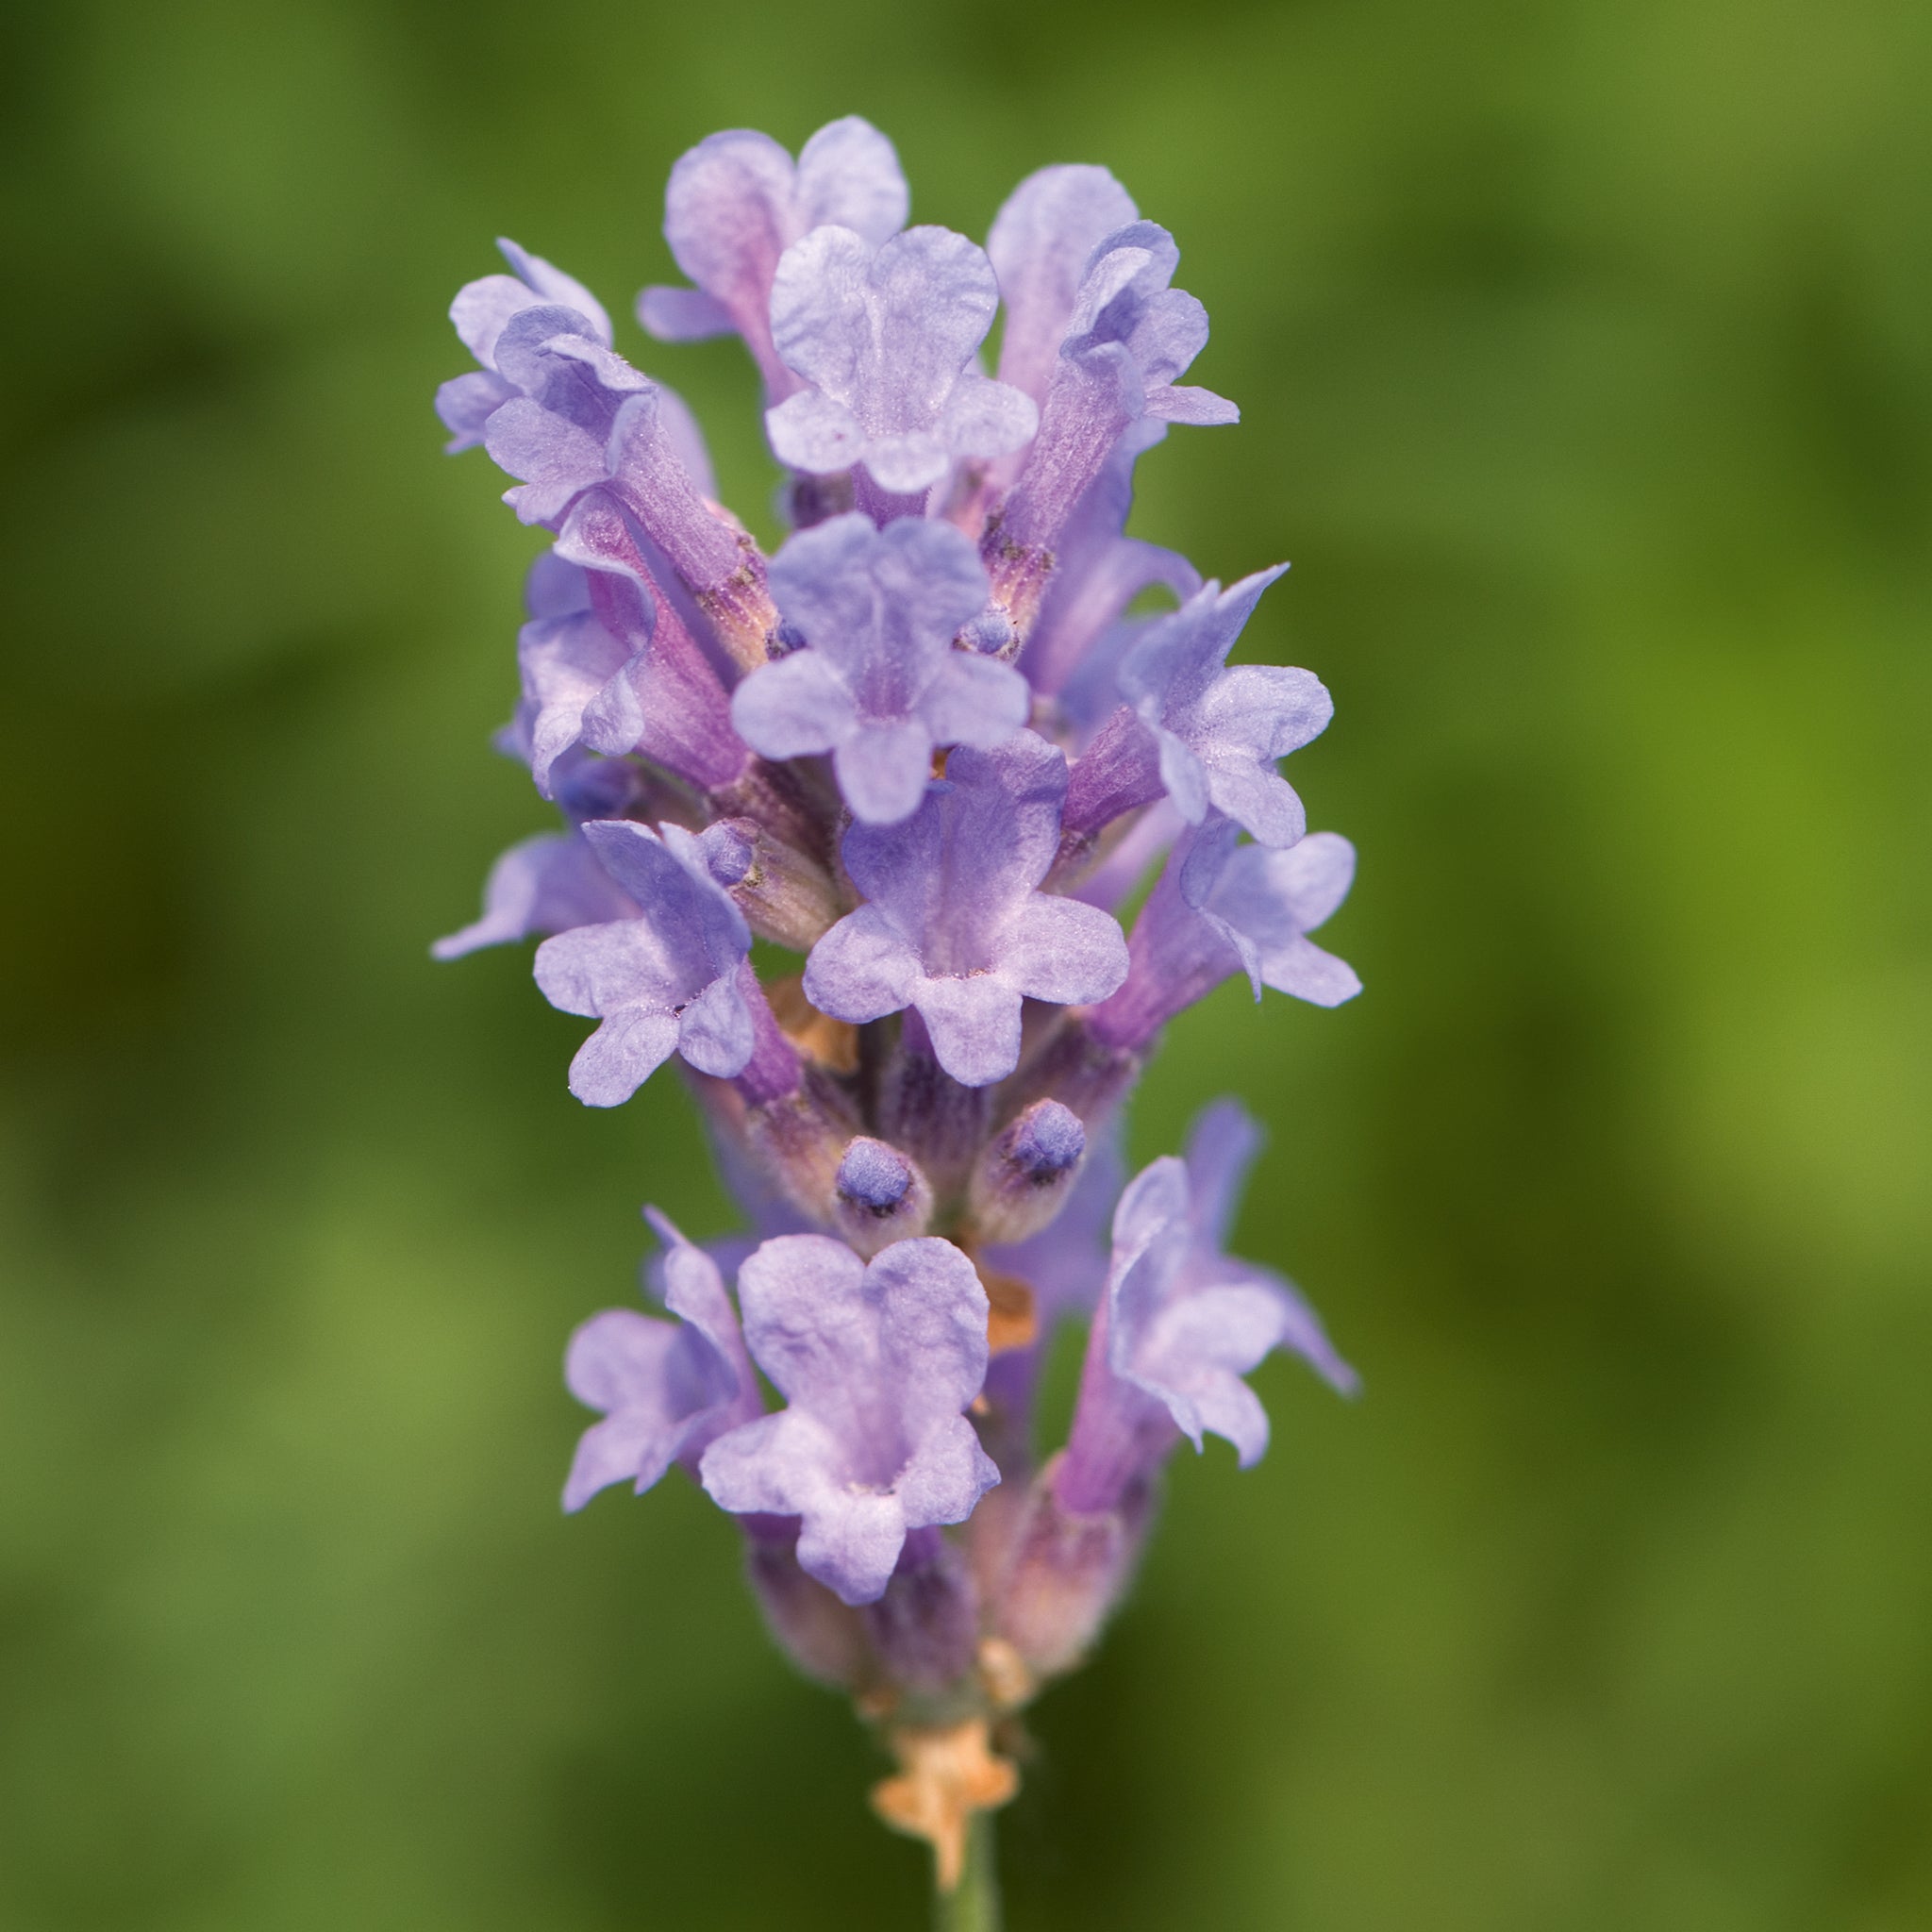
(1583, 356)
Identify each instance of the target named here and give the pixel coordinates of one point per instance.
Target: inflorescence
(933, 746)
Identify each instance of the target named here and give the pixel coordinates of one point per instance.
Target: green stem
(973, 1903)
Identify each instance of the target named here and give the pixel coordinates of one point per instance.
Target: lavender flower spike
(666, 982)
(878, 684)
(667, 1390)
(1218, 729)
(952, 925)
(932, 745)
(885, 337)
(734, 205)
(877, 1363)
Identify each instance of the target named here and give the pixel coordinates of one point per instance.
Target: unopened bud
(1027, 1172)
(785, 896)
(881, 1196)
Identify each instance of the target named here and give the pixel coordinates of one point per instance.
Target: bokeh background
(1583, 352)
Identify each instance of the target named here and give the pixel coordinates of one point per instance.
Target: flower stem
(973, 1903)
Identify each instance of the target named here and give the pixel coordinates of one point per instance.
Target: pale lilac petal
(1256, 798)
(950, 1474)
(595, 969)
(1195, 1352)
(974, 1024)
(883, 336)
(1222, 1146)
(1064, 951)
(795, 708)
(1184, 403)
(727, 218)
(934, 295)
(1300, 967)
(548, 283)
(465, 405)
(905, 462)
(1184, 775)
(714, 1031)
(883, 767)
(622, 1055)
(481, 309)
(627, 1448)
(975, 701)
(546, 884)
(811, 432)
(821, 321)
(848, 174)
(862, 969)
(985, 419)
(683, 315)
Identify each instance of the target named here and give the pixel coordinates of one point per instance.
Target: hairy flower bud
(879, 1196)
(1026, 1173)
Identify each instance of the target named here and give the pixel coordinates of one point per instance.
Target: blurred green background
(1583, 352)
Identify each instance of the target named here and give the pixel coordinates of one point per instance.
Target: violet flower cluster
(932, 746)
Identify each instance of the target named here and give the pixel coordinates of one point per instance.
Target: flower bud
(785, 896)
(879, 1196)
(1027, 1172)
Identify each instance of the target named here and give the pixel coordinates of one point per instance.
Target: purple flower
(666, 1389)
(1038, 246)
(606, 663)
(1221, 907)
(583, 418)
(879, 684)
(734, 205)
(952, 925)
(877, 1364)
(1265, 902)
(1182, 1324)
(1218, 730)
(480, 312)
(885, 336)
(1129, 336)
(667, 981)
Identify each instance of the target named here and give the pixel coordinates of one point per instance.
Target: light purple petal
(1064, 951)
(546, 884)
(974, 1024)
(883, 767)
(811, 432)
(466, 404)
(886, 334)
(1223, 1145)
(548, 283)
(622, 1055)
(1184, 403)
(600, 969)
(714, 1031)
(683, 315)
(848, 174)
(796, 706)
(862, 969)
(975, 701)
